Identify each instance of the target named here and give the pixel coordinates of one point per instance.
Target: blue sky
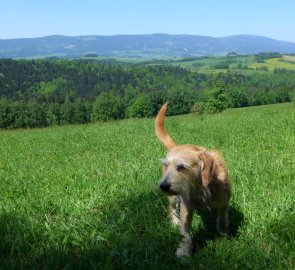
(35, 18)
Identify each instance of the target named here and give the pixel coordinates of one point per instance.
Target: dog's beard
(176, 189)
(191, 191)
(185, 188)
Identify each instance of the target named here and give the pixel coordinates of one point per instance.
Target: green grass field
(207, 63)
(286, 62)
(245, 64)
(87, 197)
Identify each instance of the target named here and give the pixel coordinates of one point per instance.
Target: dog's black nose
(165, 186)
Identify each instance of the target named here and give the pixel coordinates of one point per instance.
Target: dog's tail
(161, 132)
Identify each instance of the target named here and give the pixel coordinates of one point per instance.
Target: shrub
(107, 107)
(179, 102)
(217, 101)
(139, 107)
(198, 107)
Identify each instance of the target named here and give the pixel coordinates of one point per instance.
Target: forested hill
(151, 46)
(37, 93)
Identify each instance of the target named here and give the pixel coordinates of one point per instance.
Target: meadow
(206, 64)
(287, 62)
(87, 196)
(245, 64)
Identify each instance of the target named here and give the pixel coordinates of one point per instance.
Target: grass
(245, 64)
(87, 197)
(207, 65)
(286, 62)
(289, 58)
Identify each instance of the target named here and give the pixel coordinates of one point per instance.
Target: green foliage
(67, 112)
(264, 68)
(139, 107)
(41, 93)
(217, 101)
(58, 86)
(155, 101)
(236, 97)
(260, 57)
(198, 107)
(180, 102)
(20, 114)
(36, 115)
(222, 65)
(146, 105)
(82, 112)
(130, 93)
(283, 71)
(198, 65)
(107, 107)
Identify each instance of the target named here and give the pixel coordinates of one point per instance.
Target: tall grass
(87, 197)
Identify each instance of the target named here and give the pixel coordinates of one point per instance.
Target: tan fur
(161, 132)
(193, 178)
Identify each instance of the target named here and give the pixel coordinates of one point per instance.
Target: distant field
(87, 197)
(289, 58)
(208, 63)
(243, 63)
(288, 62)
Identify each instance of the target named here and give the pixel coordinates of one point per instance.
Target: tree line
(39, 93)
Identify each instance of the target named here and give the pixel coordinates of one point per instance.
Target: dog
(193, 178)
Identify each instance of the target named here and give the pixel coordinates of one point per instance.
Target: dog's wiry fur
(193, 178)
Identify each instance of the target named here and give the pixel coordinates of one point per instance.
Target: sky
(217, 18)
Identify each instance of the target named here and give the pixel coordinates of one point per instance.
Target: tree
(107, 107)
(139, 107)
(9, 113)
(80, 114)
(36, 115)
(236, 97)
(217, 101)
(67, 112)
(180, 102)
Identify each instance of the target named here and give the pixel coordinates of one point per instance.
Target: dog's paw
(222, 230)
(183, 251)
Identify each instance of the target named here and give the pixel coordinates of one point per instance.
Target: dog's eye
(164, 162)
(164, 165)
(180, 167)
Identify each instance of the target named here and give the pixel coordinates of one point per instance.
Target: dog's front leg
(174, 209)
(222, 220)
(185, 247)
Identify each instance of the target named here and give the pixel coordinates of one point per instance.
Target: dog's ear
(207, 168)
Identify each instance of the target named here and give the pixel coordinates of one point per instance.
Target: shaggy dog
(193, 178)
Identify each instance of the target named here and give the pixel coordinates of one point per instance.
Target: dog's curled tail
(161, 132)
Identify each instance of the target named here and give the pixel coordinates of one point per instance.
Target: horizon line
(148, 34)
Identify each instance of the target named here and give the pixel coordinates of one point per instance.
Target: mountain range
(147, 46)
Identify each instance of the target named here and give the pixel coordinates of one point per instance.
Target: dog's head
(186, 168)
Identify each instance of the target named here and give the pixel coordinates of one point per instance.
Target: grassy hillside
(287, 62)
(87, 197)
(246, 64)
(211, 63)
